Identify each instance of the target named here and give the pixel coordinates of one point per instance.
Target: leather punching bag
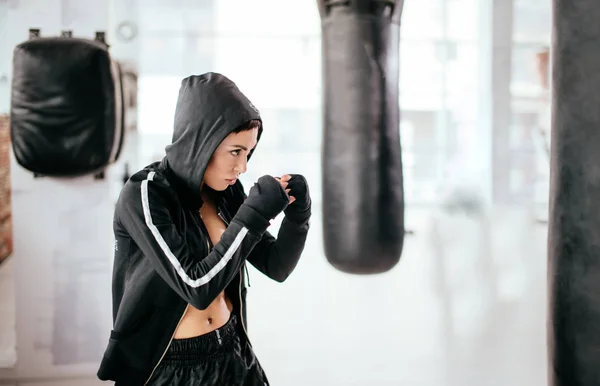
(67, 111)
(574, 218)
(363, 203)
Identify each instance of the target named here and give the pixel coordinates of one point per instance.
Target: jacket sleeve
(143, 210)
(277, 257)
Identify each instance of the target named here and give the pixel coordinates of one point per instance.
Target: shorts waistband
(192, 350)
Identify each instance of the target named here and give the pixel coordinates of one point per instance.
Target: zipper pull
(222, 218)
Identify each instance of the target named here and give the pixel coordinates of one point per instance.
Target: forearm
(197, 279)
(278, 257)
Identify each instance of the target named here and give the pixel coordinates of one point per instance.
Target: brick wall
(5, 206)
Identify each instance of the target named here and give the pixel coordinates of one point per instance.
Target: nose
(241, 166)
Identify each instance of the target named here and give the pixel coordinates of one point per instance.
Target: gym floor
(465, 306)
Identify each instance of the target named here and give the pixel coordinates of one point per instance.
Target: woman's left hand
(284, 180)
(297, 187)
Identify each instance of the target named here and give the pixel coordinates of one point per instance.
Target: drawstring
(247, 275)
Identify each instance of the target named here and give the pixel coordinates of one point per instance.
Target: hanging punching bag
(574, 218)
(363, 204)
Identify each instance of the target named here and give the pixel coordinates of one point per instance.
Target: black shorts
(222, 357)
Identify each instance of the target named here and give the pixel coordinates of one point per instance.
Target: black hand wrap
(267, 197)
(299, 210)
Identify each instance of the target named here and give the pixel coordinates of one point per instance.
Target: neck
(206, 198)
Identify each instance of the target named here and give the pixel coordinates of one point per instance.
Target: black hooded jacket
(164, 259)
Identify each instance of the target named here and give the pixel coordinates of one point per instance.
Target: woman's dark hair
(252, 124)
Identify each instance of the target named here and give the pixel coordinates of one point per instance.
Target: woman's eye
(235, 152)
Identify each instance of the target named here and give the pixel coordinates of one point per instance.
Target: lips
(231, 181)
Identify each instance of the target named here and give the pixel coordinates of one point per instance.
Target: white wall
(62, 228)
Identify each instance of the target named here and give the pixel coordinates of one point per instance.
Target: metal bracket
(34, 33)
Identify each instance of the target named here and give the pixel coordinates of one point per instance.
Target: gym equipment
(67, 112)
(574, 213)
(363, 203)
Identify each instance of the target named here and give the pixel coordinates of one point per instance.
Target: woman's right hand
(268, 197)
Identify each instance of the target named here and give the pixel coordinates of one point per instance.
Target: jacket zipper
(239, 288)
(169, 345)
(242, 310)
(178, 323)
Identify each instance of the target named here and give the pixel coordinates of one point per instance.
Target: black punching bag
(574, 218)
(363, 203)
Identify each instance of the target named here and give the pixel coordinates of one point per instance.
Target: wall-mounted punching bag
(67, 112)
(363, 203)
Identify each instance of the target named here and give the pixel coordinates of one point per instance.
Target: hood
(209, 108)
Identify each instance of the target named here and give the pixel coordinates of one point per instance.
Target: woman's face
(230, 159)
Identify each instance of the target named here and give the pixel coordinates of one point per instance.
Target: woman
(184, 229)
